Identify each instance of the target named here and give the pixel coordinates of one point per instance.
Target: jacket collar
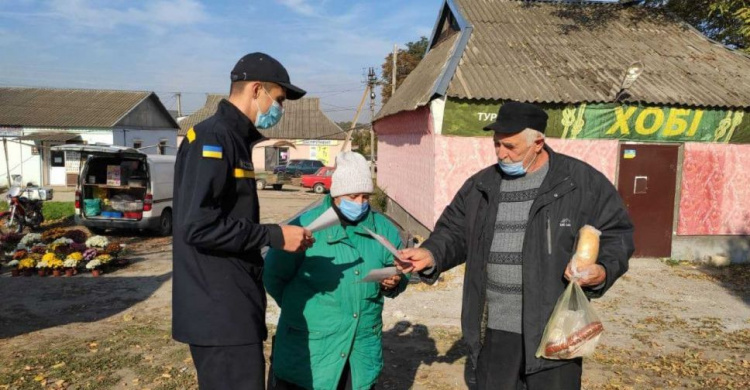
(239, 121)
(489, 180)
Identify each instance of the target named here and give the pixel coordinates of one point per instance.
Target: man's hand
(296, 239)
(594, 274)
(414, 260)
(390, 283)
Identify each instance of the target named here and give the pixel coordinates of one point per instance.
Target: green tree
(725, 21)
(406, 61)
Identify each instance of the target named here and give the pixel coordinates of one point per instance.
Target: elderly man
(515, 225)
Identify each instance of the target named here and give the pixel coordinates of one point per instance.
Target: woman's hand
(390, 283)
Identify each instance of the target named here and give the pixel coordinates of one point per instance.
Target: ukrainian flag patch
(211, 151)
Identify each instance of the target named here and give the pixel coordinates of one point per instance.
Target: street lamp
(634, 71)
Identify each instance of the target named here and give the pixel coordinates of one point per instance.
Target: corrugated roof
(71, 108)
(48, 136)
(302, 119)
(418, 88)
(553, 52)
(545, 52)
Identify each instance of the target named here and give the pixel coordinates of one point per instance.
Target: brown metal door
(647, 181)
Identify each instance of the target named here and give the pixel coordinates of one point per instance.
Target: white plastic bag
(573, 329)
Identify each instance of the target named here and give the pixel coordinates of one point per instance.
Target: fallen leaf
(166, 376)
(59, 365)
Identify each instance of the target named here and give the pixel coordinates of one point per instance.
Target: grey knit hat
(352, 175)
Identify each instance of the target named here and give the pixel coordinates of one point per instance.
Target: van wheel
(165, 223)
(319, 188)
(260, 184)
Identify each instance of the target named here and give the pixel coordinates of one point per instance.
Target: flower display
(27, 263)
(70, 263)
(113, 249)
(13, 263)
(42, 265)
(20, 254)
(53, 234)
(55, 263)
(49, 257)
(93, 264)
(62, 241)
(36, 256)
(76, 247)
(30, 239)
(76, 256)
(78, 236)
(40, 249)
(104, 259)
(97, 242)
(90, 254)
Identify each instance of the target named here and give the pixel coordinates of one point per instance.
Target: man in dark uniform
(219, 303)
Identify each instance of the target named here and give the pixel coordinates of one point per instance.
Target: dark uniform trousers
(240, 367)
(501, 367)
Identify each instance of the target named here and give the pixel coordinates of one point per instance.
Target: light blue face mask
(271, 117)
(353, 211)
(515, 168)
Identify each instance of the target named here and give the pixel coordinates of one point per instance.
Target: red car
(320, 182)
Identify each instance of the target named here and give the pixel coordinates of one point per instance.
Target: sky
(190, 46)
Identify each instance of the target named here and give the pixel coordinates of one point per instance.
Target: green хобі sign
(609, 121)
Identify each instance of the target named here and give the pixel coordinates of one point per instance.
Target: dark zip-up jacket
(573, 194)
(218, 297)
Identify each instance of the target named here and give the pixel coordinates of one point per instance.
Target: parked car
(277, 181)
(122, 188)
(320, 182)
(297, 168)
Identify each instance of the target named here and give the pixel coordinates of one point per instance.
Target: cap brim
(504, 128)
(293, 92)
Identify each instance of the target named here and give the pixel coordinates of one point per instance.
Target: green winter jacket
(327, 316)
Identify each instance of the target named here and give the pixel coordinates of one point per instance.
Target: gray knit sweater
(504, 278)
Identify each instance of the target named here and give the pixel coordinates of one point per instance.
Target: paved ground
(667, 327)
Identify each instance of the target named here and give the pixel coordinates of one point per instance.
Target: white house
(34, 119)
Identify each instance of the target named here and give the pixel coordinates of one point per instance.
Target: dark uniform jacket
(573, 194)
(218, 297)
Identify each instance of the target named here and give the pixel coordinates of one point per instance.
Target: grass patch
(58, 210)
(52, 210)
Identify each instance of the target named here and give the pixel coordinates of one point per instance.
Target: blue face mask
(271, 117)
(515, 168)
(353, 211)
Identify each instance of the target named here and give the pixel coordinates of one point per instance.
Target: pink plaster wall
(458, 158)
(406, 156)
(600, 154)
(715, 192)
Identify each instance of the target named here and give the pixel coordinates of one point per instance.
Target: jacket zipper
(549, 235)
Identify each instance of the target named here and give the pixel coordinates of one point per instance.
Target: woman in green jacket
(330, 329)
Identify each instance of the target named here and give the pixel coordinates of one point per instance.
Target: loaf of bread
(587, 250)
(566, 348)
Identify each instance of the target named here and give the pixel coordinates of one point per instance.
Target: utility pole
(178, 95)
(371, 80)
(7, 163)
(393, 70)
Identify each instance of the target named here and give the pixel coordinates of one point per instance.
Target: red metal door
(647, 181)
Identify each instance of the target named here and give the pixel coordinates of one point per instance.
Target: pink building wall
(715, 192)
(458, 158)
(406, 162)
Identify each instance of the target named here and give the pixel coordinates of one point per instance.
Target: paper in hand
(378, 275)
(384, 242)
(324, 221)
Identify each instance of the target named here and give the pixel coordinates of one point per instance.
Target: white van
(122, 188)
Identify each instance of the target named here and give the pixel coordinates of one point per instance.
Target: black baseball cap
(262, 67)
(514, 117)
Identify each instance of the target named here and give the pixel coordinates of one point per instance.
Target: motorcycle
(24, 207)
